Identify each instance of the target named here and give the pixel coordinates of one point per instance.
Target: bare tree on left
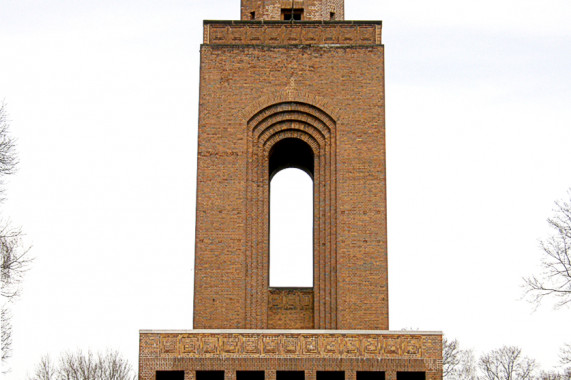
(14, 259)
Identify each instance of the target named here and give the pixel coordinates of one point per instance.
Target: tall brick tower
(291, 85)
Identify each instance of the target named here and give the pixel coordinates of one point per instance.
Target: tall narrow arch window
(291, 214)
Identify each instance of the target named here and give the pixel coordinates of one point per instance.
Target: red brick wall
(342, 87)
(290, 309)
(314, 10)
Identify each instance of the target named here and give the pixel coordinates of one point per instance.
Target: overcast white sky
(102, 97)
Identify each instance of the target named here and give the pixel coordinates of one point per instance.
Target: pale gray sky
(103, 101)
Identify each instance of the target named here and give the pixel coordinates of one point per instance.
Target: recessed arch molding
(268, 129)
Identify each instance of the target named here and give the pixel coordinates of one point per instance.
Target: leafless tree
(14, 262)
(450, 357)
(467, 369)
(457, 364)
(5, 336)
(565, 355)
(555, 279)
(8, 160)
(507, 363)
(553, 375)
(45, 370)
(79, 366)
(85, 366)
(14, 259)
(114, 367)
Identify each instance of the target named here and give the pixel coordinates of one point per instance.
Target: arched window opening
(291, 214)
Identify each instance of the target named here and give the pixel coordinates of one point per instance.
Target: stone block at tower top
(298, 10)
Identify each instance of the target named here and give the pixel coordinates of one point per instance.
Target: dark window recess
(249, 375)
(290, 375)
(411, 375)
(291, 153)
(289, 14)
(209, 375)
(252, 15)
(170, 375)
(330, 375)
(370, 375)
(332, 15)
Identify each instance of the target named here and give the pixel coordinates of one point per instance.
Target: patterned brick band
(291, 345)
(224, 33)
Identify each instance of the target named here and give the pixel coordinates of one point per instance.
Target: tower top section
(297, 10)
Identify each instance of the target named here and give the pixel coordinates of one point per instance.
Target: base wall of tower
(392, 354)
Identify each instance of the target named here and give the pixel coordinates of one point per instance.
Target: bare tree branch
(14, 258)
(450, 356)
(45, 370)
(14, 262)
(507, 363)
(553, 375)
(8, 158)
(565, 354)
(555, 279)
(114, 367)
(5, 336)
(457, 364)
(85, 366)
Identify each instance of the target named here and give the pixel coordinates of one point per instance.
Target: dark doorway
(170, 375)
(249, 375)
(411, 375)
(209, 375)
(290, 375)
(330, 375)
(370, 375)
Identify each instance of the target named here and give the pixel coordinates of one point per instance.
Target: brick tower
(291, 85)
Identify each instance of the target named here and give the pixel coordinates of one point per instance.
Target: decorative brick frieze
(292, 350)
(293, 344)
(287, 33)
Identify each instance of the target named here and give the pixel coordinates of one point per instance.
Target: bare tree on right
(554, 375)
(565, 355)
(555, 279)
(457, 364)
(507, 363)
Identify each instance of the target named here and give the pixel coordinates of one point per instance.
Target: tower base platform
(289, 355)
